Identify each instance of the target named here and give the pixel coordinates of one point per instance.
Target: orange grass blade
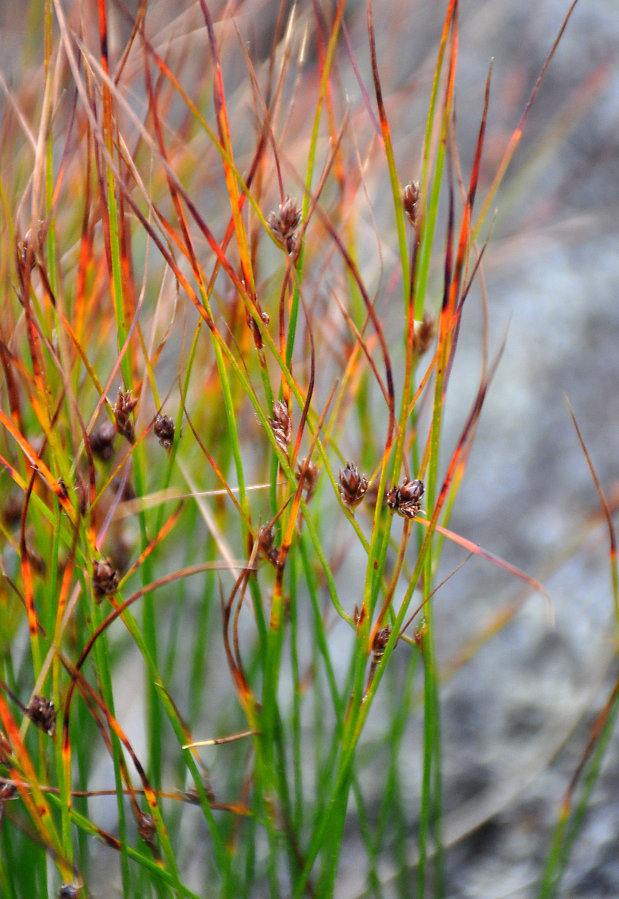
(38, 465)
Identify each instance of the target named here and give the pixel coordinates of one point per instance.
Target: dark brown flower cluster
(405, 499)
(353, 486)
(266, 544)
(410, 199)
(284, 223)
(32, 244)
(102, 441)
(147, 828)
(105, 578)
(308, 473)
(381, 638)
(164, 430)
(423, 334)
(125, 404)
(41, 712)
(281, 425)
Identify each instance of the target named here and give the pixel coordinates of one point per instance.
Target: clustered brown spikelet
(381, 638)
(284, 223)
(353, 486)
(424, 333)
(32, 244)
(281, 425)
(146, 828)
(105, 578)
(70, 890)
(125, 404)
(410, 199)
(308, 473)
(266, 545)
(405, 499)
(164, 430)
(102, 441)
(41, 712)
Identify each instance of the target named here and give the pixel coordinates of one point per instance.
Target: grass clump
(226, 486)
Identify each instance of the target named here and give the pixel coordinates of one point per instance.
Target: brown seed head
(381, 638)
(410, 199)
(102, 441)
(41, 712)
(125, 404)
(405, 499)
(164, 430)
(266, 546)
(281, 425)
(70, 890)
(7, 791)
(353, 486)
(105, 578)
(308, 473)
(423, 334)
(147, 828)
(32, 244)
(284, 223)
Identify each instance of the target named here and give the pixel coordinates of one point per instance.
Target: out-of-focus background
(551, 278)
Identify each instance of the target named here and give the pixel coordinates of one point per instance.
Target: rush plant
(231, 305)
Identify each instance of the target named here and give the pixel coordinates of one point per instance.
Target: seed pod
(164, 430)
(32, 244)
(381, 638)
(308, 473)
(125, 404)
(353, 486)
(70, 890)
(405, 499)
(284, 223)
(41, 712)
(410, 198)
(146, 828)
(423, 334)
(102, 441)
(266, 545)
(105, 578)
(281, 425)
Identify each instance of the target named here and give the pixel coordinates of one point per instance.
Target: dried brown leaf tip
(410, 199)
(164, 430)
(284, 223)
(423, 334)
(41, 712)
(308, 473)
(281, 425)
(105, 578)
(125, 404)
(353, 486)
(102, 441)
(405, 499)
